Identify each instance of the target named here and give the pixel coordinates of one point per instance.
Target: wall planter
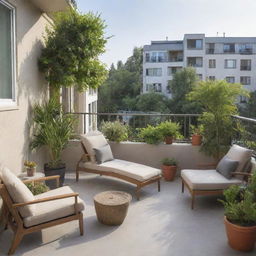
(196, 139)
(239, 237)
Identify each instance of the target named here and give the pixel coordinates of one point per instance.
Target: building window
(200, 77)
(212, 78)
(7, 54)
(173, 70)
(156, 57)
(168, 87)
(153, 72)
(156, 87)
(229, 48)
(195, 61)
(230, 79)
(245, 80)
(92, 91)
(245, 65)
(195, 44)
(210, 48)
(147, 55)
(212, 63)
(245, 49)
(243, 99)
(230, 63)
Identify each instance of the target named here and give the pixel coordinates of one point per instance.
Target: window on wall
(195, 44)
(156, 56)
(245, 80)
(200, 77)
(7, 54)
(230, 79)
(245, 65)
(229, 48)
(243, 99)
(195, 62)
(156, 87)
(212, 78)
(153, 72)
(230, 63)
(212, 63)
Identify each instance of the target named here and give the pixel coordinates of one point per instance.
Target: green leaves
(115, 131)
(73, 45)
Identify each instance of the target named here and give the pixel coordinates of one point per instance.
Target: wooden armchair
(27, 216)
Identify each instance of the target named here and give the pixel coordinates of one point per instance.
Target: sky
(138, 22)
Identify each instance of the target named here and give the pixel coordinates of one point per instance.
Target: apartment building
(230, 58)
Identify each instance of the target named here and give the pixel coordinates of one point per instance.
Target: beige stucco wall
(30, 87)
(188, 156)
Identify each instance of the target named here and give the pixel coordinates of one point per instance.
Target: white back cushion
(240, 154)
(18, 191)
(93, 140)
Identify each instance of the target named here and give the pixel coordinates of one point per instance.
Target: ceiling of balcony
(51, 6)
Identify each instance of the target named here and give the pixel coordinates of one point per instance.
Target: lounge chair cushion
(103, 154)
(93, 140)
(56, 209)
(240, 154)
(207, 180)
(226, 166)
(132, 170)
(18, 192)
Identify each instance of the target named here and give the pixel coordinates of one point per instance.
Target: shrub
(115, 131)
(150, 135)
(168, 128)
(240, 203)
(169, 161)
(37, 188)
(196, 130)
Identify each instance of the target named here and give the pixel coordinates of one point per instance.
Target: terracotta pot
(240, 238)
(169, 172)
(196, 139)
(31, 171)
(168, 140)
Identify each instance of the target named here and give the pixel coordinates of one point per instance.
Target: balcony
(245, 68)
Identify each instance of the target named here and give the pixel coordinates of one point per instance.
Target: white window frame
(9, 103)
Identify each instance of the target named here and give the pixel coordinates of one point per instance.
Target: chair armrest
(55, 177)
(47, 199)
(207, 165)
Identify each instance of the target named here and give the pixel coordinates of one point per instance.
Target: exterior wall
(188, 156)
(30, 87)
(220, 72)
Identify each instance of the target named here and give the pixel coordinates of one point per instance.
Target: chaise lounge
(98, 159)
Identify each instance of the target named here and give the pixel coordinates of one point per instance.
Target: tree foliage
(249, 110)
(218, 100)
(72, 47)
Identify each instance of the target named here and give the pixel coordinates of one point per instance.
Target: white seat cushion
(135, 171)
(56, 209)
(240, 154)
(93, 140)
(207, 179)
(18, 191)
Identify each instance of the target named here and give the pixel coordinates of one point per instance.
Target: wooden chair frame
(195, 192)
(11, 216)
(139, 184)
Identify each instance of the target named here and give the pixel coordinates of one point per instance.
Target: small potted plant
(169, 130)
(115, 131)
(196, 138)
(150, 135)
(169, 168)
(240, 215)
(30, 168)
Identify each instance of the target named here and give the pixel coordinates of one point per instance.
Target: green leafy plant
(72, 46)
(196, 130)
(169, 161)
(52, 128)
(37, 188)
(169, 128)
(240, 203)
(150, 135)
(218, 100)
(115, 131)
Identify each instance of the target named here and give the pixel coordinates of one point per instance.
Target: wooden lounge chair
(210, 181)
(138, 174)
(26, 213)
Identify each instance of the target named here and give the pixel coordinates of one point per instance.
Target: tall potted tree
(53, 129)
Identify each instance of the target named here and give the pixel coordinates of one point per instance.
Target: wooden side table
(112, 206)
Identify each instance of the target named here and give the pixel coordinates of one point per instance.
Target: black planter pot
(49, 171)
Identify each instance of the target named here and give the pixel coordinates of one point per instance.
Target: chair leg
(182, 186)
(159, 185)
(138, 192)
(77, 174)
(81, 224)
(16, 241)
(192, 201)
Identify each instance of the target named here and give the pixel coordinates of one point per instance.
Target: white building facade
(230, 58)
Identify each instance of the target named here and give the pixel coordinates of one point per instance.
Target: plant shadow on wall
(218, 100)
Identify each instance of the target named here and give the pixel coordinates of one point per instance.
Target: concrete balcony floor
(160, 224)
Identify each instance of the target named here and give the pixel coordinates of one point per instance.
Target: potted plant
(240, 215)
(52, 129)
(150, 135)
(196, 138)
(115, 131)
(30, 167)
(169, 130)
(169, 168)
